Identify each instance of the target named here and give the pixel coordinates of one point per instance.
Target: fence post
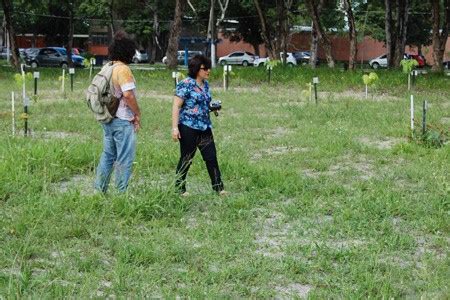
(315, 82)
(424, 118)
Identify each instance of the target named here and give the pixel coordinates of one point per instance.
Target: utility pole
(211, 36)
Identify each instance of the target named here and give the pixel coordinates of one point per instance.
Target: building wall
(26, 41)
(300, 41)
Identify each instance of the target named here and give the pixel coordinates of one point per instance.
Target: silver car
(238, 58)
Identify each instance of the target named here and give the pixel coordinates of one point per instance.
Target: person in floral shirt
(191, 125)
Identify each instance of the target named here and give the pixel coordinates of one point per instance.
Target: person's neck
(200, 81)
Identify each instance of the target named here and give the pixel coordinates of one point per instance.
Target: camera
(215, 106)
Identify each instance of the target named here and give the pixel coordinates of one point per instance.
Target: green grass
(332, 200)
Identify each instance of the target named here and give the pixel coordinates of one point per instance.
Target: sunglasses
(204, 68)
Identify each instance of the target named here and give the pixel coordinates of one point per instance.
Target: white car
(237, 58)
(381, 61)
(290, 60)
(140, 56)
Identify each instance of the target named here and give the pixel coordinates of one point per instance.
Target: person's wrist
(175, 129)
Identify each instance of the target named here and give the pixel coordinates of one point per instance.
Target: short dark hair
(196, 62)
(122, 48)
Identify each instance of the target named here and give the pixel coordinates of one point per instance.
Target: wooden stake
(412, 112)
(424, 118)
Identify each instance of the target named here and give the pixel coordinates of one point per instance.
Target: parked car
(180, 56)
(53, 57)
(3, 52)
(381, 61)
(302, 57)
(260, 61)
(140, 56)
(447, 64)
(238, 58)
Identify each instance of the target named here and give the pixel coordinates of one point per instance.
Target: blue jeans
(119, 149)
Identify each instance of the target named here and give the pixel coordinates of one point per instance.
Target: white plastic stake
(92, 62)
(71, 71)
(63, 79)
(412, 112)
(13, 113)
(23, 82)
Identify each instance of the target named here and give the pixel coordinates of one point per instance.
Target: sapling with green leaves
(408, 65)
(370, 79)
(270, 64)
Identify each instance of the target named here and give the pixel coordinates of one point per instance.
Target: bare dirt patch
(295, 290)
(276, 151)
(82, 183)
(362, 167)
(383, 144)
(55, 135)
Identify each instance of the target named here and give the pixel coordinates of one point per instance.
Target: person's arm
(177, 103)
(130, 100)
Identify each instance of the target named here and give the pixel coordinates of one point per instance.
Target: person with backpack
(123, 120)
(191, 125)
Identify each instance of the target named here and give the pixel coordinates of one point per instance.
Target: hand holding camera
(215, 106)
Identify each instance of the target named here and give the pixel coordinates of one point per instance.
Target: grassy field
(327, 200)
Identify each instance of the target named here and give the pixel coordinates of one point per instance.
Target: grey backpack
(100, 95)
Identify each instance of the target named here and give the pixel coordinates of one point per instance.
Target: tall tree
(351, 34)
(248, 29)
(396, 29)
(8, 11)
(266, 33)
(175, 31)
(440, 35)
(322, 35)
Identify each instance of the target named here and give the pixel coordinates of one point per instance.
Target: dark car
(446, 64)
(53, 57)
(302, 57)
(3, 52)
(180, 56)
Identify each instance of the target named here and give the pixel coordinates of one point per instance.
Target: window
(236, 54)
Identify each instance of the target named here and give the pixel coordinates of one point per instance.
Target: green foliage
(370, 79)
(408, 65)
(269, 63)
(18, 78)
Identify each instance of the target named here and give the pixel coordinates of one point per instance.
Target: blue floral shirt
(194, 112)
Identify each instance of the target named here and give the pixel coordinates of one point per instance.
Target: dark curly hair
(196, 62)
(122, 48)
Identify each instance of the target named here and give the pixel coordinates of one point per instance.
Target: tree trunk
(70, 38)
(268, 42)
(210, 34)
(281, 39)
(390, 44)
(352, 34)
(323, 37)
(8, 10)
(401, 29)
(175, 31)
(156, 33)
(439, 39)
(314, 47)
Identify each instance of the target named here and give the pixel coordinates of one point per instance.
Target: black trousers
(190, 140)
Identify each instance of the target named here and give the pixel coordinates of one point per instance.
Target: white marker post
(412, 113)
(226, 76)
(315, 82)
(72, 73)
(63, 80)
(175, 76)
(92, 63)
(13, 113)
